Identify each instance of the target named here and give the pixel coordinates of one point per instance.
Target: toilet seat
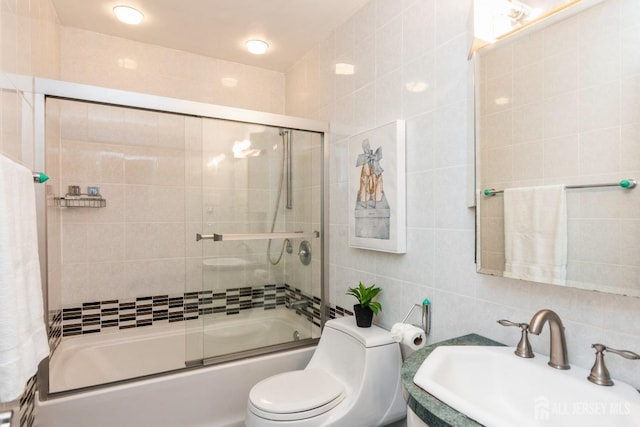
(295, 395)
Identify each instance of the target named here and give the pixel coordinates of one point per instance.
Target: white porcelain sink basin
(497, 388)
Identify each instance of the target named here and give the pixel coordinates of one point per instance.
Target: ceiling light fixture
(257, 47)
(128, 15)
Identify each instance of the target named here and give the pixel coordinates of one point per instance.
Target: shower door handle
(258, 236)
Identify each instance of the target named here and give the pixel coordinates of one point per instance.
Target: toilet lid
(297, 391)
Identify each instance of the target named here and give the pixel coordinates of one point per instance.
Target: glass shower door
(117, 259)
(260, 205)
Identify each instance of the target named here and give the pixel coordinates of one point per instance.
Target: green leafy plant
(365, 296)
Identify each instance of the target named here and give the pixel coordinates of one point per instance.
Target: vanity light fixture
(494, 20)
(257, 47)
(128, 15)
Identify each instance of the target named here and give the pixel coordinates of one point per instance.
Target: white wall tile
(528, 122)
(364, 58)
(388, 97)
(451, 19)
(560, 74)
(562, 157)
(386, 10)
(451, 139)
(452, 68)
(420, 134)
(528, 50)
(418, 29)
(600, 61)
(562, 115)
(419, 82)
(421, 204)
(600, 22)
(562, 37)
(388, 46)
(529, 83)
(600, 106)
(600, 151)
(364, 108)
(97, 59)
(630, 99)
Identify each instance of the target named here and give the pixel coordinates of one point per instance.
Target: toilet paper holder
(426, 315)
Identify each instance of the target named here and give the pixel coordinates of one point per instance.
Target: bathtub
(212, 396)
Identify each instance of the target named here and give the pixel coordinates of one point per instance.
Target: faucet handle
(599, 372)
(523, 349)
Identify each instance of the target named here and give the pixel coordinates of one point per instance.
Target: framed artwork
(377, 189)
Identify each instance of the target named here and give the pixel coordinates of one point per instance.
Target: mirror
(561, 105)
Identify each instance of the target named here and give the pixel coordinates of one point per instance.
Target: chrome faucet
(558, 358)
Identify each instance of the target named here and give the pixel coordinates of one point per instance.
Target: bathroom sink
(497, 388)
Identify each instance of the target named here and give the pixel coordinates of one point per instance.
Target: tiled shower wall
(30, 47)
(558, 108)
(136, 245)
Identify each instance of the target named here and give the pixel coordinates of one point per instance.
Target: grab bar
(258, 236)
(5, 418)
(625, 183)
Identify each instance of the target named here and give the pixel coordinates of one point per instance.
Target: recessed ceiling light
(128, 15)
(257, 47)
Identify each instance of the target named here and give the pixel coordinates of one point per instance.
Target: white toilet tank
(365, 363)
(346, 350)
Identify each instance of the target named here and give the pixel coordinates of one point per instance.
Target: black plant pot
(364, 316)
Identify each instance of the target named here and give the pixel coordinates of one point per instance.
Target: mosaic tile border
(312, 311)
(27, 404)
(98, 316)
(55, 329)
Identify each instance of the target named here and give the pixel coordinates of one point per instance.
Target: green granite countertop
(428, 408)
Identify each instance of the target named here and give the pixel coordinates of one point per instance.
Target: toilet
(352, 380)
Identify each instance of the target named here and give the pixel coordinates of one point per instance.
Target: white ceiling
(219, 28)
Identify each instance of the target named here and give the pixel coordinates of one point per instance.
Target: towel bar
(258, 236)
(625, 183)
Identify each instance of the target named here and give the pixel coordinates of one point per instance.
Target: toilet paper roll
(411, 338)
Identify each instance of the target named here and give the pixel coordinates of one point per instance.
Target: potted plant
(366, 308)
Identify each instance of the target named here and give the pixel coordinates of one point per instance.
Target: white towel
(23, 337)
(535, 233)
